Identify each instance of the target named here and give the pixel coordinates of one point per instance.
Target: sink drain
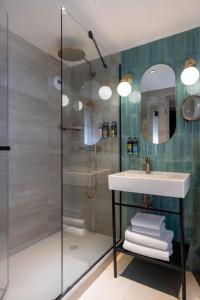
(73, 247)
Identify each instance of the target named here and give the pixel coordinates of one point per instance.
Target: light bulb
(65, 100)
(190, 75)
(105, 92)
(124, 88)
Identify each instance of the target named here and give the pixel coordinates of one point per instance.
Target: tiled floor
(105, 287)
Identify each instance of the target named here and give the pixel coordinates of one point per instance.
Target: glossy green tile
(182, 152)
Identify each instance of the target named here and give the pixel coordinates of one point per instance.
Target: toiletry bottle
(100, 128)
(113, 129)
(135, 146)
(105, 129)
(129, 146)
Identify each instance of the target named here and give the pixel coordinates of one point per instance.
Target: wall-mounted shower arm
(90, 35)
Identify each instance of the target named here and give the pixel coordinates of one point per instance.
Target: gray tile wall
(35, 139)
(4, 154)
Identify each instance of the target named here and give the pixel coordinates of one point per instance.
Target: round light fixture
(124, 87)
(190, 74)
(105, 92)
(65, 100)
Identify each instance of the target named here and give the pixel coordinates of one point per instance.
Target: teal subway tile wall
(181, 153)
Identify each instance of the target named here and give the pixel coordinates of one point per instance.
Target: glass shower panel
(3, 151)
(35, 232)
(90, 127)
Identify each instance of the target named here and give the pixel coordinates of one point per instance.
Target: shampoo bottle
(129, 146)
(135, 146)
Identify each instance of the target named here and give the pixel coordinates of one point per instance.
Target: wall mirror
(158, 104)
(191, 108)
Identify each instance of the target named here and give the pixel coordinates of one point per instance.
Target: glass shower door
(3, 151)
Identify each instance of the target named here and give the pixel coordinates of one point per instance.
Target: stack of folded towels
(148, 236)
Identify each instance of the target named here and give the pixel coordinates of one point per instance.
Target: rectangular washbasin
(169, 184)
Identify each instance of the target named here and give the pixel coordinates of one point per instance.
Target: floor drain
(73, 247)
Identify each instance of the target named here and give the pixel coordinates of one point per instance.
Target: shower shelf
(74, 128)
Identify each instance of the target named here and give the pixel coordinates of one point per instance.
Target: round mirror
(158, 104)
(191, 108)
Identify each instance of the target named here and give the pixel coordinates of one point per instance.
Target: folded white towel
(147, 220)
(147, 251)
(161, 243)
(149, 231)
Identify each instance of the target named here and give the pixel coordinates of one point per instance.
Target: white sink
(156, 183)
(85, 177)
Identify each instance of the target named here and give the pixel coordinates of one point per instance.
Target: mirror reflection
(92, 118)
(191, 108)
(158, 104)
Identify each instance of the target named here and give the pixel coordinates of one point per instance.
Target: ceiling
(116, 24)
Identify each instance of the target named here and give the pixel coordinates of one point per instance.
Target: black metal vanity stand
(180, 250)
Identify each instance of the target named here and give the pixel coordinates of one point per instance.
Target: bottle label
(112, 132)
(129, 147)
(135, 149)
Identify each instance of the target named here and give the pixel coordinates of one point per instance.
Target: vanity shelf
(180, 250)
(174, 262)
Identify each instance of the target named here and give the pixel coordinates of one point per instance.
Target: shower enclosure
(4, 148)
(64, 136)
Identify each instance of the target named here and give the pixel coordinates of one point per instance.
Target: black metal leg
(114, 235)
(183, 278)
(120, 216)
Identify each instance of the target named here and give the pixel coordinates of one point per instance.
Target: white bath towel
(147, 251)
(149, 231)
(161, 243)
(147, 220)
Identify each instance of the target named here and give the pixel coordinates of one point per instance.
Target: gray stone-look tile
(35, 139)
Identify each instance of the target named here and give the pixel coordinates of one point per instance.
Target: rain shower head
(72, 54)
(75, 55)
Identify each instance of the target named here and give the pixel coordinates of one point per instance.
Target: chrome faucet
(147, 165)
